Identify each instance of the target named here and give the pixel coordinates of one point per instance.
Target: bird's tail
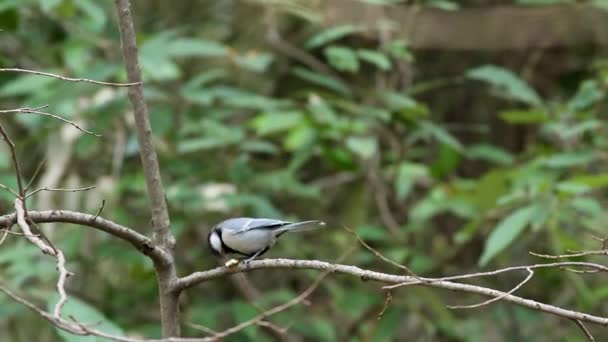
(302, 226)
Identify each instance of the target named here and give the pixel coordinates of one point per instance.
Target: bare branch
(139, 241)
(584, 329)
(199, 277)
(11, 147)
(389, 299)
(163, 238)
(379, 255)
(37, 111)
(35, 175)
(259, 318)
(12, 192)
(530, 275)
(594, 266)
(6, 231)
(69, 78)
(47, 249)
(59, 189)
(573, 255)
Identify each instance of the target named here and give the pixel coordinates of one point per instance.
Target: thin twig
(26, 110)
(573, 255)
(202, 328)
(584, 329)
(69, 78)
(379, 255)
(275, 310)
(530, 274)
(59, 189)
(389, 298)
(6, 231)
(600, 268)
(11, 147)
(103, 204)
(47, 249)
(38, 168)
(13, 192)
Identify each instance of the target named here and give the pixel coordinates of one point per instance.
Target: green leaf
(376, 58)
(570, 159)
(441, 135)
(86, 314)
(512, 86)
(321, 111)
(273, 122)
(399, 49)
(490, 153)
(300, 137)
(322, 80)
(26, 84)
(588, 206)
(588, 93)
(189, 47)
(572, 188)
(407, 174)
(524, 116)
(95, 13)
(365, 147)
(342, 58)
(507, 231)
(592, 181)
(330, 35)
(255, 61)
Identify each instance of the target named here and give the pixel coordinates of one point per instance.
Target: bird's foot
(231, 263)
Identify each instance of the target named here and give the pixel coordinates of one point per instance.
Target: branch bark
(199, 277)
(166, 273)
(139, 241)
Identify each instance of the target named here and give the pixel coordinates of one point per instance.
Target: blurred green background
(452, 136)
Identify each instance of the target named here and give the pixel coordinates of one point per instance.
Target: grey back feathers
(253, 236)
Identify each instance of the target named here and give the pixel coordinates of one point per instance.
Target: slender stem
(163, 238)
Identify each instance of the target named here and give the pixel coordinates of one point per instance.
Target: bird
(252, 237)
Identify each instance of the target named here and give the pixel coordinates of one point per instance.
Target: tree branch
(199, 277)
(160, 214)
(163, 238)
(139, 241)
(63, 78)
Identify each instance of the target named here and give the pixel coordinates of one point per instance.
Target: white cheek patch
(216, 243)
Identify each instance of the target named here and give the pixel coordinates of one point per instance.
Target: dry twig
(530, 274)
(69, 79)
(26, 110)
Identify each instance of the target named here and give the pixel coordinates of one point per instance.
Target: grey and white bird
(252, 237)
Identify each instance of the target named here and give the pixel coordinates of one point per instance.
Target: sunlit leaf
(588, 93)
(508, 82)
(85, 314)
(407, 175)
(376, 58)
(365, 147)
(524, 116)
(342, 58)
(507, 231)
(187, 47)
(273, 122)
(330, 35)
(490, 153)
(322, 80)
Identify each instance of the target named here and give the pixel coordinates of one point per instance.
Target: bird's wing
(243, 224)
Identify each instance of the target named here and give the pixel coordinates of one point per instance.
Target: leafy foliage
(476, 161)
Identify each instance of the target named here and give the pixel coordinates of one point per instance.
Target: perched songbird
(252, 237)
